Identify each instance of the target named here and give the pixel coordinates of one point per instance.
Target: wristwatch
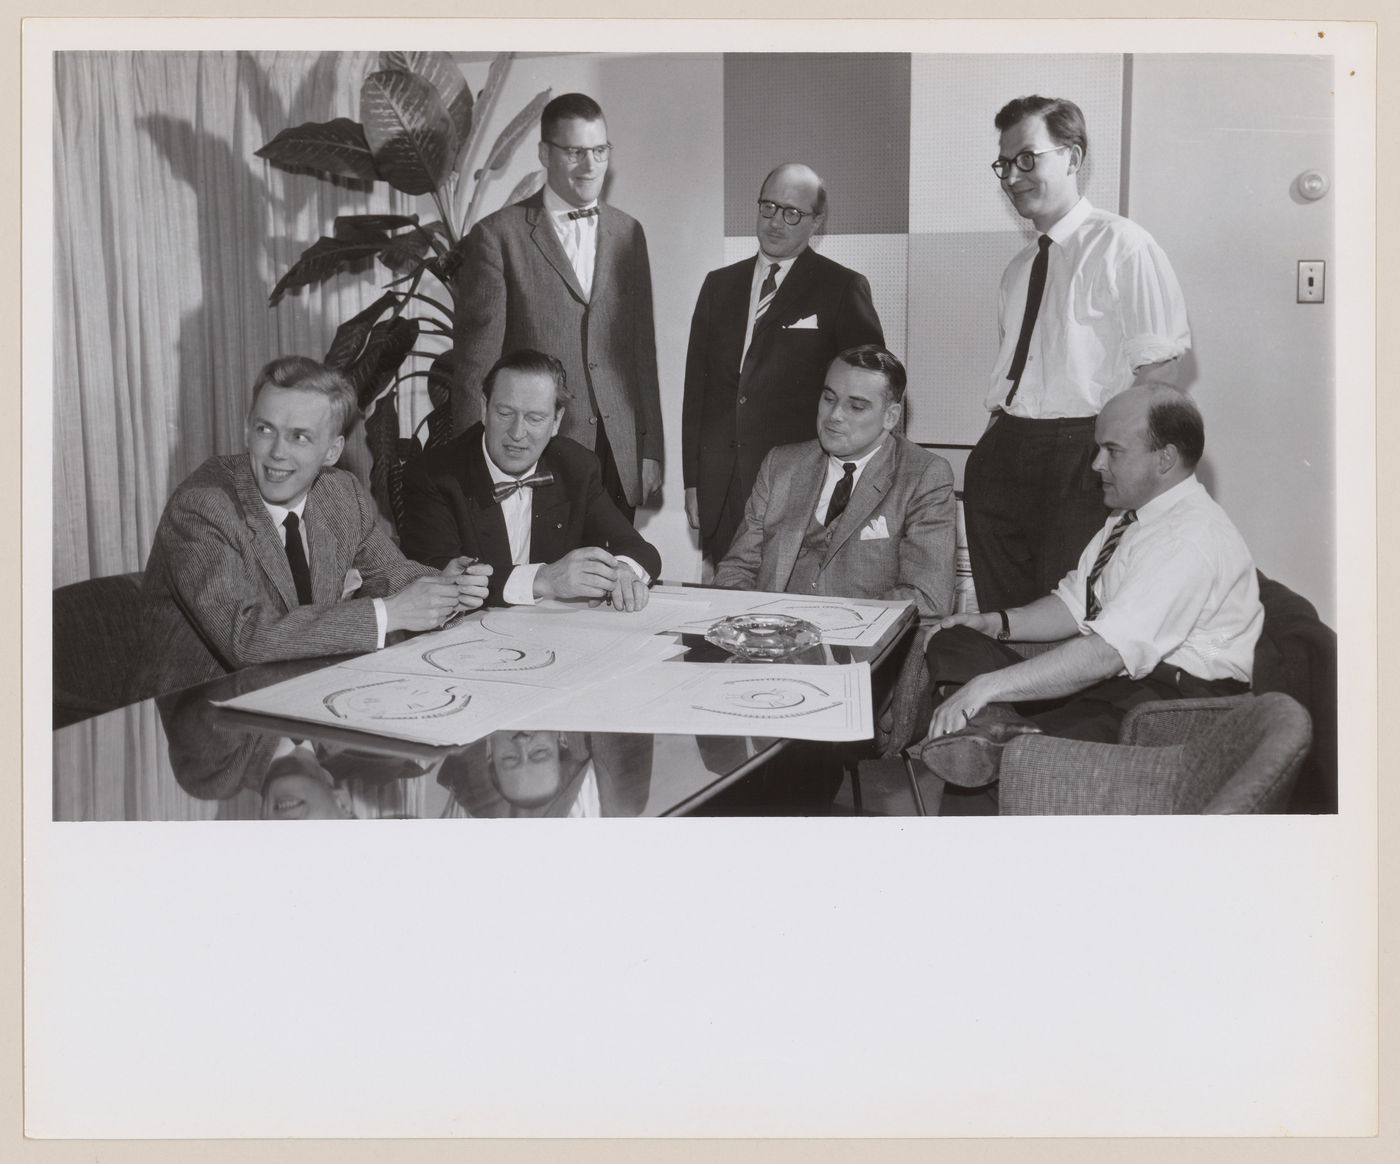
(1005, 633)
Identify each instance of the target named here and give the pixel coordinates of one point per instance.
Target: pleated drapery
(169, 236)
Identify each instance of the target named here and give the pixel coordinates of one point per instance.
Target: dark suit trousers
(731, 517)
(961, 653)
(612, 482)
(1032, 501)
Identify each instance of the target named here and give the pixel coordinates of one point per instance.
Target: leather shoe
(971, 757)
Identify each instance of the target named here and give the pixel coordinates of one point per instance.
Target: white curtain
(170, 235)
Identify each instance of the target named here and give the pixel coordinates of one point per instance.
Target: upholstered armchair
(1239, 754)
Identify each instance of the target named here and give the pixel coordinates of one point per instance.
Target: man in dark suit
(860, 512)
(763, 334)
(512, 492)
(275, 554)
(561, 273)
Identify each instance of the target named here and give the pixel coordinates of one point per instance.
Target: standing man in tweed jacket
(564, 274)
(275, 554)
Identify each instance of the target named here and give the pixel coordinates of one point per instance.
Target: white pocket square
(874, 529)
(807, 323)
(353, 581)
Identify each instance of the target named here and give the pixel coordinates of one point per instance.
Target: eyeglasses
(1024, 161)
(576, 154)
(791, 215)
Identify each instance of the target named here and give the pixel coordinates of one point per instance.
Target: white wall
(666, 117)
(1216, 145)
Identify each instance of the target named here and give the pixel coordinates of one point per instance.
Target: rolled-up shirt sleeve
(1152, 309)
(1156, 604)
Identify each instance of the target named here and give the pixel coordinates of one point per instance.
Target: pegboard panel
(951, 185)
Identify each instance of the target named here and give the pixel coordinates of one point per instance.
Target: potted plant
(419, 128)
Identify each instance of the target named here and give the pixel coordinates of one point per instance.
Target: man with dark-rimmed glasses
(1088, 309)
(764, 332)
(564, 274)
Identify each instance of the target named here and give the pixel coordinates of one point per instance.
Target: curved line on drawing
(343, 704)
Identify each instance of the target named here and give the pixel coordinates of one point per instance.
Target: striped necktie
(766, 292)
(1091, 602)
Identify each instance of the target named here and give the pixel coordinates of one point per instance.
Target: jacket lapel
(321, 542)
(794, 513)
(268, 550)
(606, 257)
(543, 235)
(870, 490)
(549, 514)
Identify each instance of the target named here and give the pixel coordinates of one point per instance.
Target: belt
(1070, 422)
(1193, 686)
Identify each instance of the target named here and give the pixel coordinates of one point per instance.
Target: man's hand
(692, 507)
(470, 577)
(424, 604)
(651, 477)
(988, 623)
(589, 572)
(954, 712)
(629, 592)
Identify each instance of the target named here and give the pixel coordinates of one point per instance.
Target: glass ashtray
(763, 636)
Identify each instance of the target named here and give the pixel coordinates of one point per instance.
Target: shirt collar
(1072, 221)
(499, 475)
(278, 513)
(763, 262)
(1173, 497)
(558, 207)
(861, 462)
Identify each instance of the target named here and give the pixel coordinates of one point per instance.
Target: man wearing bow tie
(762, 336)
(564, 274)
(512, 492)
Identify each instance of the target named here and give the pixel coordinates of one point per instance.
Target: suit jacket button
(558, 525)
(592, 420)
(743, 399)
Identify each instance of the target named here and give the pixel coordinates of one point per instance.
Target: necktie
(1091, 602)
(841, 495)
(1033, 293)
(766, 292)
(503, 489)
(589, 213)
(296, 559)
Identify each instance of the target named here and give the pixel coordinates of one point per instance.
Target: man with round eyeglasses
(563, 273)
(763, 334)
(1087, 309)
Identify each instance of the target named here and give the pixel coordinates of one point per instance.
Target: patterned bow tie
(503, 489)
(589, 213)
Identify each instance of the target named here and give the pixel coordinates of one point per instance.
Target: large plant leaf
(519, 125)
(328, 147)
(444, 74)
(350, 336)
(363, 227)
(384, 352)
(408, 130)
(525, 187)
(322, 259)
(407, 250)
(494, 76)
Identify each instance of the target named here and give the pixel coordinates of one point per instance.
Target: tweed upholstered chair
(1239, 754)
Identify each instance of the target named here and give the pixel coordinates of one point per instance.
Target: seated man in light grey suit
(860, 512)
(275, 554)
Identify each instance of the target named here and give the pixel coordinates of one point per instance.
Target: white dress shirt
(278, 513)
(1180, 589)
(835, 470)
(760, 274)
(579, 236)
(1111, 305)
(519, 512)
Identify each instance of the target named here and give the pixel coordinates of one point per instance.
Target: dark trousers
(960, 653)
(612, 482)
(731, 516)
(1032, 501)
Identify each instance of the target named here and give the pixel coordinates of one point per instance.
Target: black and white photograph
(934, 462)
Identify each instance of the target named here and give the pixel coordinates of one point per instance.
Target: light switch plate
(1312, 279)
